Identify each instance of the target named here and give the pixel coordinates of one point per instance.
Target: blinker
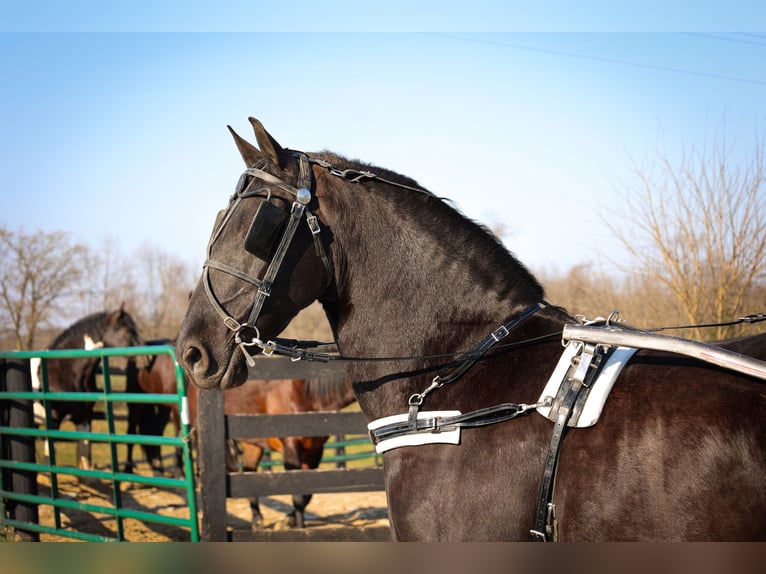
(265, 230)
(241, 183)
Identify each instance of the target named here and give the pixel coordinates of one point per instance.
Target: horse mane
(441, 214)
(334, 393)
(92, 325)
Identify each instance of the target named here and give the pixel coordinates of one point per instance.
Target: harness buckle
(265, 289)
(269, 348)
(232, 324)
(313, 224)
(500, 333)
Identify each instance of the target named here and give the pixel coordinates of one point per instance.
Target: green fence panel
(107, 399)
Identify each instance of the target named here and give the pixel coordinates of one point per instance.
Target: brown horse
(261, 397)
(150, 418)
(282, 396)
(679, 452)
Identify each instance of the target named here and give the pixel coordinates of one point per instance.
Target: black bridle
(247, 334)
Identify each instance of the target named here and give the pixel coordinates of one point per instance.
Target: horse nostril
(192, 357)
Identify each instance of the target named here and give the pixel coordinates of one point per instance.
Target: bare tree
(698, 228)
(162, 291)
(39, 274)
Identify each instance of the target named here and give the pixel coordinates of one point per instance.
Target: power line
(549, 51)
(751, 34)
(730, 39)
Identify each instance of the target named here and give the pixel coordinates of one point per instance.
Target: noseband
(247, 334)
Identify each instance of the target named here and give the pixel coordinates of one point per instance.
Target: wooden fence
(217, 484)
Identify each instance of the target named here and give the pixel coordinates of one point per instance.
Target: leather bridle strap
(299, 209)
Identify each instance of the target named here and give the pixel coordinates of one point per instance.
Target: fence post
(340, 451)
(212, 465)
(15, 377)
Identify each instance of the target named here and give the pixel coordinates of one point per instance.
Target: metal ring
(415, 400)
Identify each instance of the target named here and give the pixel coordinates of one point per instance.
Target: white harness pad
(599, 388)
(416, 439)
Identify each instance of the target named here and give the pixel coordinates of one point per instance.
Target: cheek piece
(268, 238)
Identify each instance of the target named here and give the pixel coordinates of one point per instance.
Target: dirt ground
(324, 511)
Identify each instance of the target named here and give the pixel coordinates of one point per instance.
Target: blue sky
(115, 126)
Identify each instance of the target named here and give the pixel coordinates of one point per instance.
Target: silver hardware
(268, 348)
(256, 341)
(501, 333)
(303, 196)
(584, 363)
(416, 400)
(313, 224)
(546, 402)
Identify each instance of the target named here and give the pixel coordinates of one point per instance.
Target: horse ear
(114, 317)
(250, 154)
(269, 146)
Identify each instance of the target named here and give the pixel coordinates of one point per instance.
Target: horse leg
(83, 447)
(133, 416)
(293, 455)
(297, 518)
(251, 457)
(153, 422)
(128, 467)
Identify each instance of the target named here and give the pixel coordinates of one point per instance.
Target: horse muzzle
(206, 369)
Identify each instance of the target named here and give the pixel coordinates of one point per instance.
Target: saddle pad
(416, 439)
(600, 388)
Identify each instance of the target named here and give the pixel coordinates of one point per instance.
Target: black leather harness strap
(471, 357)
(579, 376)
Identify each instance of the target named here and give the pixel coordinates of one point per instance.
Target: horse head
(266, 260)
(119, 330)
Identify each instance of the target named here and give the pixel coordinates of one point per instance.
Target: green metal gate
(107, 398)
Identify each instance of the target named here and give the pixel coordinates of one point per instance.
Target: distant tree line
(694, 231)
(48, 281)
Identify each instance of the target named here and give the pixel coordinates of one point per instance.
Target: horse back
(679, 454)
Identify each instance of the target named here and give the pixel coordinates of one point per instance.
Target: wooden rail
(217, 484)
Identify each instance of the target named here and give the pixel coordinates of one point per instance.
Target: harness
(576, 376)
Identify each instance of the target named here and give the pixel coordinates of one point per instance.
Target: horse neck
(73, 336)
(329, 395)
(409, 283)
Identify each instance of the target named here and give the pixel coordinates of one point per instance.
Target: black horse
(108, 329)
(679, 452)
